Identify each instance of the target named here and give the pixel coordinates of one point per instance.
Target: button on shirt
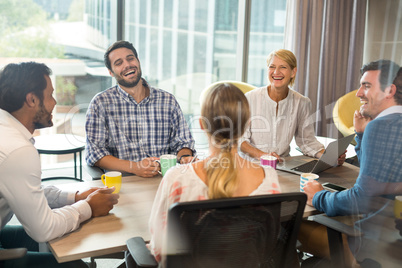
(272, 132)
(21, 192)
(119, 126)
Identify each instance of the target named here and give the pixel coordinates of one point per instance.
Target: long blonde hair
(225, 114)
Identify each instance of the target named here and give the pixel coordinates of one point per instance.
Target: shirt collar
(9, 120)
(128, 96)
(396, 109)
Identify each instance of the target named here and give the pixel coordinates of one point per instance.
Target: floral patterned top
(181, 184)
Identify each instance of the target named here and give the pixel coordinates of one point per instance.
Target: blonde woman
(224, 116)
(279, 113)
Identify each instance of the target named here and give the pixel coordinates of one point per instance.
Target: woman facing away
(224, 116)
(279, 113)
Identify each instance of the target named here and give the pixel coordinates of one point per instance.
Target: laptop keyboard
(307, 167)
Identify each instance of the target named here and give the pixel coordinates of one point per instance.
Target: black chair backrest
(256, 231)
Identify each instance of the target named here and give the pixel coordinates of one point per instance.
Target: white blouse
(271, 132)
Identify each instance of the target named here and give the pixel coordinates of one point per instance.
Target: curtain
(327, 37)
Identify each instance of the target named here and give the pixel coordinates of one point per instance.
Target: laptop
(305, 164)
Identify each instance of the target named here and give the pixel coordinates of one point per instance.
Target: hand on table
(147, 167)
(280, 160)
(311, 188)
(102, 201)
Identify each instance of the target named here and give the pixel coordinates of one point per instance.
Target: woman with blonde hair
(279, 113)
(224, 117)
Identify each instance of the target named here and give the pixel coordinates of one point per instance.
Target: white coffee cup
(305, 177)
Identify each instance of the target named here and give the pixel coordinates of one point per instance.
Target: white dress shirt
(45, 213)
(271, 132)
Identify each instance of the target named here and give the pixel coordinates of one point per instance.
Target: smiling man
(378, 126)
(132, 124)
(45, 213)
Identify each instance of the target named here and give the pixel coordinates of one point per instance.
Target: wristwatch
(184, 155)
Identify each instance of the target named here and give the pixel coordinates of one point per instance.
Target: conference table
(108, 234)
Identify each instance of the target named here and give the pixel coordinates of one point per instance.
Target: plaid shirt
(117, 125)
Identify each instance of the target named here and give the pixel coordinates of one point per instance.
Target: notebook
(305, 164)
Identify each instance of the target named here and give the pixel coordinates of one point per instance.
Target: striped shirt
(119, 126)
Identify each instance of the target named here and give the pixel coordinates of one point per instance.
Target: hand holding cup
(112, 178)
(167, 161)
(268, 160)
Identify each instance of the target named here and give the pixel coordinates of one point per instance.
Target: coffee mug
(305, 177)
(167, 161)
(268, 160)
(112, 178)
(398, 207)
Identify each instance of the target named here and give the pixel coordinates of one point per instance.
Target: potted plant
(65, 93)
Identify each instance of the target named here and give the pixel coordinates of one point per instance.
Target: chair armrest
(94, 172)
(140, 253)
(337, 224)
(13, 253)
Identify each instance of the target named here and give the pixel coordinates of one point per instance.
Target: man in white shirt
(26, 104)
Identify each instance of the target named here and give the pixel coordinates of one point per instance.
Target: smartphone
(333, 187)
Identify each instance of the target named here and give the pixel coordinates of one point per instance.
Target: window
(183, 45)
(267, 28)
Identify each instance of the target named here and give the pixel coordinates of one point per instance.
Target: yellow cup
(398, 207)
(112, 178)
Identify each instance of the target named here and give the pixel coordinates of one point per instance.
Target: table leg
(80, 166)
(75, 165)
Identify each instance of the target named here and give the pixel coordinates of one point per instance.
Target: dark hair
(398, 84)
(19, 79)
(116, 45)
(387, 68)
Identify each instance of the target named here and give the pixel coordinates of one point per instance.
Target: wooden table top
(129, 218)
(108, 234)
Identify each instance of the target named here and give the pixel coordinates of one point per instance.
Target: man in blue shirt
(132, 124)
(378, 126)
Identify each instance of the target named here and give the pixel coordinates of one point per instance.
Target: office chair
(343, 112)
(372, 237)
(11, 254)
(94, 171)
(254, 231)
(336, 226)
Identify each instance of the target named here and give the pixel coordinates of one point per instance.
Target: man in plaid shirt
(132, 124)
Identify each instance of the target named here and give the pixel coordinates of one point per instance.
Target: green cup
(167, 161)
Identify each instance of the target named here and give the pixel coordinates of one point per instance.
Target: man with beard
(130, 125)
(26, 104)
(378, 126)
